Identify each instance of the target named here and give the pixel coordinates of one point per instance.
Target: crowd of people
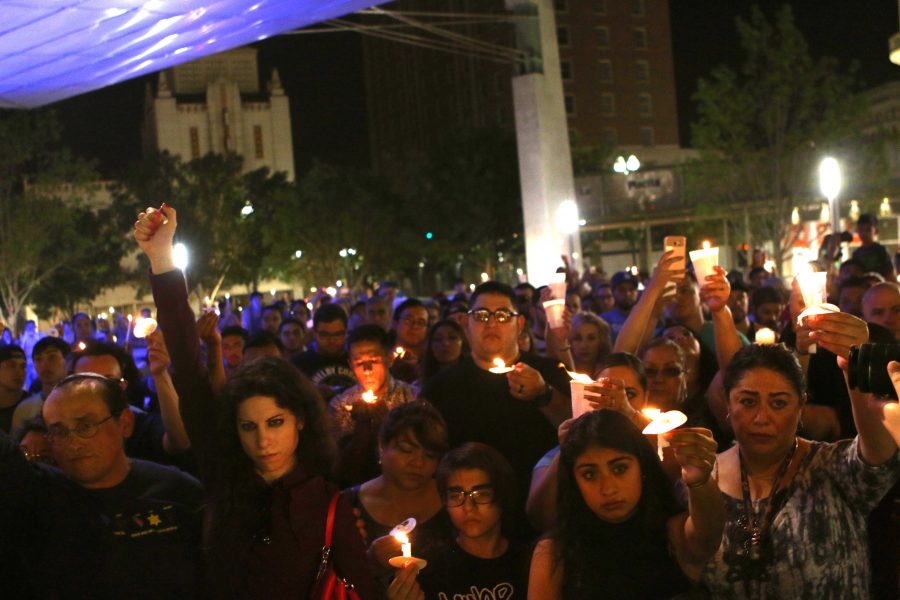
(417, 449)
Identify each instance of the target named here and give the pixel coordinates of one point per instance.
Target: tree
(226, 245)
(466, 193)
(762, 130)
(54, 246)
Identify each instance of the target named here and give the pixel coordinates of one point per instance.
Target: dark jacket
(269, 547)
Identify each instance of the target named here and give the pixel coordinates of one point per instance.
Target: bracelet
(699, 483)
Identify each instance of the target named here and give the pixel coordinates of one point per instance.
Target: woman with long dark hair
(620, 532)
(445, 346)
(265, 453)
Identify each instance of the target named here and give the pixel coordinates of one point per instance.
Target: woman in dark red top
(265, 453)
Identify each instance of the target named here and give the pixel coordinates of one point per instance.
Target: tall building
(615, 58)
(215, 105)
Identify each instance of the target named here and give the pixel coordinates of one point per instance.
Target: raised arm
(641, 316)
(154, 234)
(696, 535)
(207, 326)
(838, 332)
(175, 439)
(714, 292)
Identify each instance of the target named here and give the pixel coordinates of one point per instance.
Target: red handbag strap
(329, 523)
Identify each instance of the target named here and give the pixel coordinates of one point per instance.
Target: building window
(565, 69)
(570, 105)
(258, 141)
(645, 105)
(642, 71)
(610, 137)
(607, 104)
(603, 37)
(639, 35)
(600, 7)
(637, 8)
(605, 72)
(646, 136)
(562, 36)
(195, 143)
(559, 5)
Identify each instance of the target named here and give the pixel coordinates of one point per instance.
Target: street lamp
(830, 184)
(626, 165)
(247, 209)
(180, 256)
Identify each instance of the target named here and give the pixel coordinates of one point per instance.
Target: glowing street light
(567, 218)
(180, 256)
(247, 209)
(626, 165)
(830, 184)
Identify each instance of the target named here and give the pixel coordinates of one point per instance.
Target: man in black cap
(12, 380)
(624, 289)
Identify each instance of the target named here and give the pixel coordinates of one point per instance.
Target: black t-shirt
(6, 414)
(331, 371)
(454, 573)
(478, 407)
(875, 257)
(139, 539)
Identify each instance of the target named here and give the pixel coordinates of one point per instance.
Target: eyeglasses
(501, 315)
(411, 322)
(666, 372)
(57, 434)
(480, 495)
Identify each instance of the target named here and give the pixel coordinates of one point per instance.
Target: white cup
(579, 404)
(558, 285)
(704, 260)
(554, 309)
(813, 286)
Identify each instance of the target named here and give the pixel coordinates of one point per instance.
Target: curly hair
(274, 377)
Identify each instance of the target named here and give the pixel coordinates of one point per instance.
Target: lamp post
(830, 184)
(628, 165)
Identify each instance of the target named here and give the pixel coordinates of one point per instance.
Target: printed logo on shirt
(501, 591)
(151, 522)
(337, 377)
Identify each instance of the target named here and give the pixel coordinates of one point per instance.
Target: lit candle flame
(369, 396)
(82, 345)
(651, 413)
(706, 245)
(663, 422)
(764, 335)
(580, 377)
(399, 352)
(144, 327)
(130, 317)
(500, 366)
(405, 546)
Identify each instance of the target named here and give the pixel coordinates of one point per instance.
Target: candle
(579, 404)
(500, 367)
(405, 546)
(82, 345)
(765, 335)
(399, 352)
(661, 423)
(400, 533)
(144, 326)
(369, 396)
(558, 285)
(704, 260)
(813, 286)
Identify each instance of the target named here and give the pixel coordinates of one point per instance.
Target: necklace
(756, 525)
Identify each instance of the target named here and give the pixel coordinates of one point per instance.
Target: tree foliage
(764, 128)
(56, 249)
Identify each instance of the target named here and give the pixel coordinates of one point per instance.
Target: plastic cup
(554, 309)
(579, 404)
(558, 285)
(814, 288)
(704, 260)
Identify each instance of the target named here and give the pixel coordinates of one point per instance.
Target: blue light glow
(54, 50)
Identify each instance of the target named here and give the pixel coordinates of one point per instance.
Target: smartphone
(678, 245)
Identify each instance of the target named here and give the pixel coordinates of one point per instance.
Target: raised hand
(714, 292)
(157, 354)
(207, 327)
(695, 451)
(609, 392)
(154, 231)
(838, 332)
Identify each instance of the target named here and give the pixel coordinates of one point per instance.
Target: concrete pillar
(545, 161)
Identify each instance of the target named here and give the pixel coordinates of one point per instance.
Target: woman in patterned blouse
(796, 510)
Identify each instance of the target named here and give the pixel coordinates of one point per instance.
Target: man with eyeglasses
(411, 329)
(102, 525)
(325, 363)
(517, 412)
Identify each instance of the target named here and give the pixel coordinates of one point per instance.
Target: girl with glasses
(477, 487)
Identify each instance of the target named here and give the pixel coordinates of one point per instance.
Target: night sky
(323, 76)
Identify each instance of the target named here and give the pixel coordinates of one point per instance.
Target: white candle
(663, 422)
(144, 326)
(369, 396)
(765, 335)
(405, 545)
(579, 404)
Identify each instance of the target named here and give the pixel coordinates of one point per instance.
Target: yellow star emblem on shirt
(154, 519)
